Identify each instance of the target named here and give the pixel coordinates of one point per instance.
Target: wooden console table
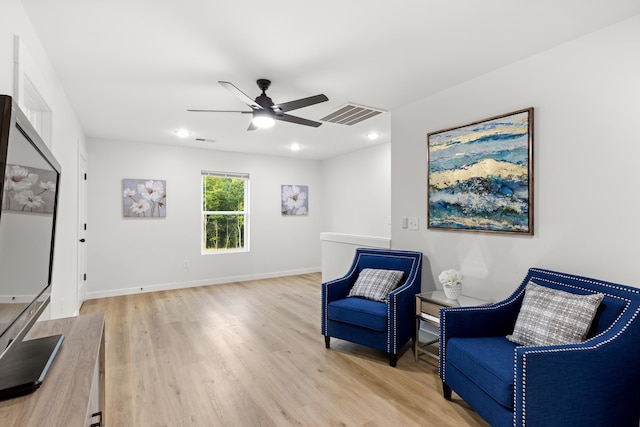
(72, 394)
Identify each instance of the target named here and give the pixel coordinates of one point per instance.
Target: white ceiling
(131, 68)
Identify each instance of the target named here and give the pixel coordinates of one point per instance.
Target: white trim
(195, 283)
(226, 174)
(27, 82)
(354, 239)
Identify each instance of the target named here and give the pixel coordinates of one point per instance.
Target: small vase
(452, 291)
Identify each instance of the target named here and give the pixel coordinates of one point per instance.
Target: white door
(82, 228)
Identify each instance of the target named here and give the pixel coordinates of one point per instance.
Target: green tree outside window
(223, 208)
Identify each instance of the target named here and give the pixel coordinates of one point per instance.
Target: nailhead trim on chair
(326, 306)
(491, 307)
(559, 350)
(395, 292)
(581, 348)
(554, 350)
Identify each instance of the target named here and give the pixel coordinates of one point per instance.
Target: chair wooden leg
(327, 340)
(393, 359)
(446, 391)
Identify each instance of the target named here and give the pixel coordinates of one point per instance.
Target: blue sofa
(386, 326)
(593, 383)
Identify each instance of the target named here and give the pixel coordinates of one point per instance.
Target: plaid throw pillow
(375, 284)
(551, 317)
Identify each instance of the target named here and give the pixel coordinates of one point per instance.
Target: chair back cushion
(616, 297)
(386, 262)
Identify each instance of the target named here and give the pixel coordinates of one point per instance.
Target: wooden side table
(428, 305)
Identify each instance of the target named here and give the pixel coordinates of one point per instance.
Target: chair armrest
(403, 299)
(338, 288)
(591, 383)
(481, 321)
(332, 291)
(407, 290)
(402, 312)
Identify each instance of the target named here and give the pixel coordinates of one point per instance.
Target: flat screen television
(29, 180)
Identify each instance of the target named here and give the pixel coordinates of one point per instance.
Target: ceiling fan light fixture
(262, 120)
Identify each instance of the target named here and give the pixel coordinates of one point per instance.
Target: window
(225, 211)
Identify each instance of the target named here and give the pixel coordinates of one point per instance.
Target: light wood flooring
(252, 354)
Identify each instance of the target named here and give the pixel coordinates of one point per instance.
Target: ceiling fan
(263, 109)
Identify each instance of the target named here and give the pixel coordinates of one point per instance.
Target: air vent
(351, 114)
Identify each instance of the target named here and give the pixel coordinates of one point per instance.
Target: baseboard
(195, 283)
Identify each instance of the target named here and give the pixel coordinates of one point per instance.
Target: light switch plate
(413, 223)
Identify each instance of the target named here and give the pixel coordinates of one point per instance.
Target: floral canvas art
(480, 176)
(144, 198)
(295, 200)
(29, 190)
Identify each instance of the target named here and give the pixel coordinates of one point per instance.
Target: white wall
(357, 190)
(350, 193)
(357, 209)
(339, 250)
(125, 255)
(67, 138)
(586, 95)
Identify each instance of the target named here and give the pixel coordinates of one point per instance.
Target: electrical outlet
(412, 223)
(185, 264)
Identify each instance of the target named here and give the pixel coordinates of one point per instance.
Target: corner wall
(585, 94)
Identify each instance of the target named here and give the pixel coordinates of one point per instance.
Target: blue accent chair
(383, 326)
(594, 383)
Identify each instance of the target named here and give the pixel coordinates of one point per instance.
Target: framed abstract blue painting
(480, 176)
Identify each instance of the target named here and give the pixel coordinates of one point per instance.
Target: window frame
(203, 213)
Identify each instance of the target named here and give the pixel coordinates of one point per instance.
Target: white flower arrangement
(451, 283)
(450, 277)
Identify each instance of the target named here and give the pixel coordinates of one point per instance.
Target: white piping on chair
(566, 349)
(352, 271)
(510, 299)
(490, 307)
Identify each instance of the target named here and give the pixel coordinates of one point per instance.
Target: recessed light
(295, 147)
(373, 136)
(182, 133)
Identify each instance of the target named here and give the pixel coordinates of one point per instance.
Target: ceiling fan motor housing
(263, 84)
(263, 100)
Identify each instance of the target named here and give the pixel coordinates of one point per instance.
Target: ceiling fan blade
(220, 111)
(252, 126)
(297, 120)
(241, 95)
(299, 103)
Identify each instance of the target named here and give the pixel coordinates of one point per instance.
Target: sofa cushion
(375, 284)
(551, 317)
(360, 312)
(487, 362)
